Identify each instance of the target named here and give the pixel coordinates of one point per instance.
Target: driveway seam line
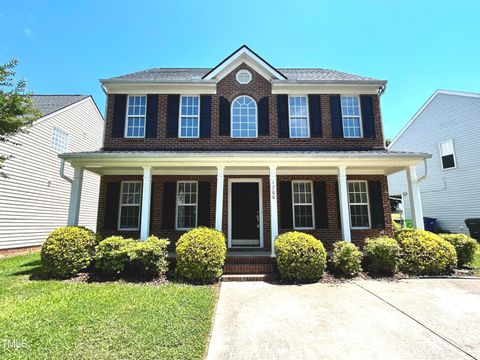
(450, 342)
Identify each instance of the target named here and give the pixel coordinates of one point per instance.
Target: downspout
(424, 176)
(62, 171)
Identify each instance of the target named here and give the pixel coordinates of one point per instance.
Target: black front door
(245, 214)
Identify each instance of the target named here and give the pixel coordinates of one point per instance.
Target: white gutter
(62, 171)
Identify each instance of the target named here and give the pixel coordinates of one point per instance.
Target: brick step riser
(249, 270)
(249, 260)
(263, 277)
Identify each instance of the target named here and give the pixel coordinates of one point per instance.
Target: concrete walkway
(409, 319)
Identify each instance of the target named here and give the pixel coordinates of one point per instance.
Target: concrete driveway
(407, 319)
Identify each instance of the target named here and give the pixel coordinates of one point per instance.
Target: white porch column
(343, 197)
(273, 206)
(146, 199)
(415, 198)
(219, 198)
(75, 196)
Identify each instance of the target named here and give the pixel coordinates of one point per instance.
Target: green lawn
(61, 320)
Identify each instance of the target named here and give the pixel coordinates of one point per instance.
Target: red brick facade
(258, 88)
(327, 236)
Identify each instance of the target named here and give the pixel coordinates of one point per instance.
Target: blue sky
(418, 46)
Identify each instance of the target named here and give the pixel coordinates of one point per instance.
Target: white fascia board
(325, 87)
(194, 88)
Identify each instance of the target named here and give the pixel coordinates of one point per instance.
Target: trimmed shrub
(346, 259)
(300, 257)
(149, 258)
(396, 226)
(113, 254)
(381, 255)
(464, 245)
(68, 250)
(425, 253)
(201, 254)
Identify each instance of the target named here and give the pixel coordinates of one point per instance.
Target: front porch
(251, 197)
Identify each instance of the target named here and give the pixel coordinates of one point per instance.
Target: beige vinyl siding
(451, 195)
(34, 198)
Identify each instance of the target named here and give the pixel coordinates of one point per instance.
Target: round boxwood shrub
(113, 254)
(201, 254)
(346, 259)
(381, 255)
(148, 258)
(300, 257)
(425, 253)
(464, 245)
(67, 251)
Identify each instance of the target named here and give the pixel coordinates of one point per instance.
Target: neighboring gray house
(448, 127)
(34, 199)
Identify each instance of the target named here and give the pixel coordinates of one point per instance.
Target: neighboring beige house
(34, 198)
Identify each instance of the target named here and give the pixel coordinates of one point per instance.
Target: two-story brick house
(247, 148)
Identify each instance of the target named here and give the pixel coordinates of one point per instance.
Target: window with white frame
(189, 116)
(351, 118)
(244, 117)
(447, 153)
(130, 202)
(187, 196)
(359, 207)
(298, 116)
(59, 140)
(302, 205)
(136, 116)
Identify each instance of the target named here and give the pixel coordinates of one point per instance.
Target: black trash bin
(474, 227)
(429, 223)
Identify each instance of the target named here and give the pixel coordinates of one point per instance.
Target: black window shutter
(314, 110)
(152, 116)
(336, 116)
(112, 198)
(119, 115)
(320, 203)
(286, 214)
(376, 204)
(169, 204)
(337, 197)
(368, 118)
(263, 118)
(173, 104)
(224, 116)
(282, 114)
(203, 209)
(205, 116)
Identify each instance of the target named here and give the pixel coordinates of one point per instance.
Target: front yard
(51, 319)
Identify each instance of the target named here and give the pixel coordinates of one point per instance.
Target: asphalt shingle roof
(48, 104)
(178, 74)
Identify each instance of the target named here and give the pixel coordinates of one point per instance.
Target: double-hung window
(447, 153)
(187, 196)
(189, 117)
(302, 205)
(298, 117)
(130, 202)
(351, 117)
(136, 116)
(359, 207)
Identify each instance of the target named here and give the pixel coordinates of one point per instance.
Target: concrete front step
(249, 268)
(249, 277)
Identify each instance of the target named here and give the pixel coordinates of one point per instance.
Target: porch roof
(291, 162)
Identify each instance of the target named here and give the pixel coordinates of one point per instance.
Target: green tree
(16, 110)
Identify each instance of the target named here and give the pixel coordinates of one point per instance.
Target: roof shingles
(48, 104)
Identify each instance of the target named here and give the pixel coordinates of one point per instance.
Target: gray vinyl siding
(451, 195)
(34, 198)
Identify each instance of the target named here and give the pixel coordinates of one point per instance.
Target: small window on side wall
(60, 140)
(447, 154)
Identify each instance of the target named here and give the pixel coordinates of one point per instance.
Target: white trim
(180, 118)
(429, 100)
(142, 87)
(75, 197)
(219, 198)
(125, 131)
(350, 116)
(312, 204)
(290, 122)
(324, 87)
(441, 156)
(256, 119)
(242, 54)
(415, 198)
(260, 209)
(368, 206)
(273, 207)
(343, 202)
(119, 228)
(176, 204)
(146, 203)
(243, 71)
